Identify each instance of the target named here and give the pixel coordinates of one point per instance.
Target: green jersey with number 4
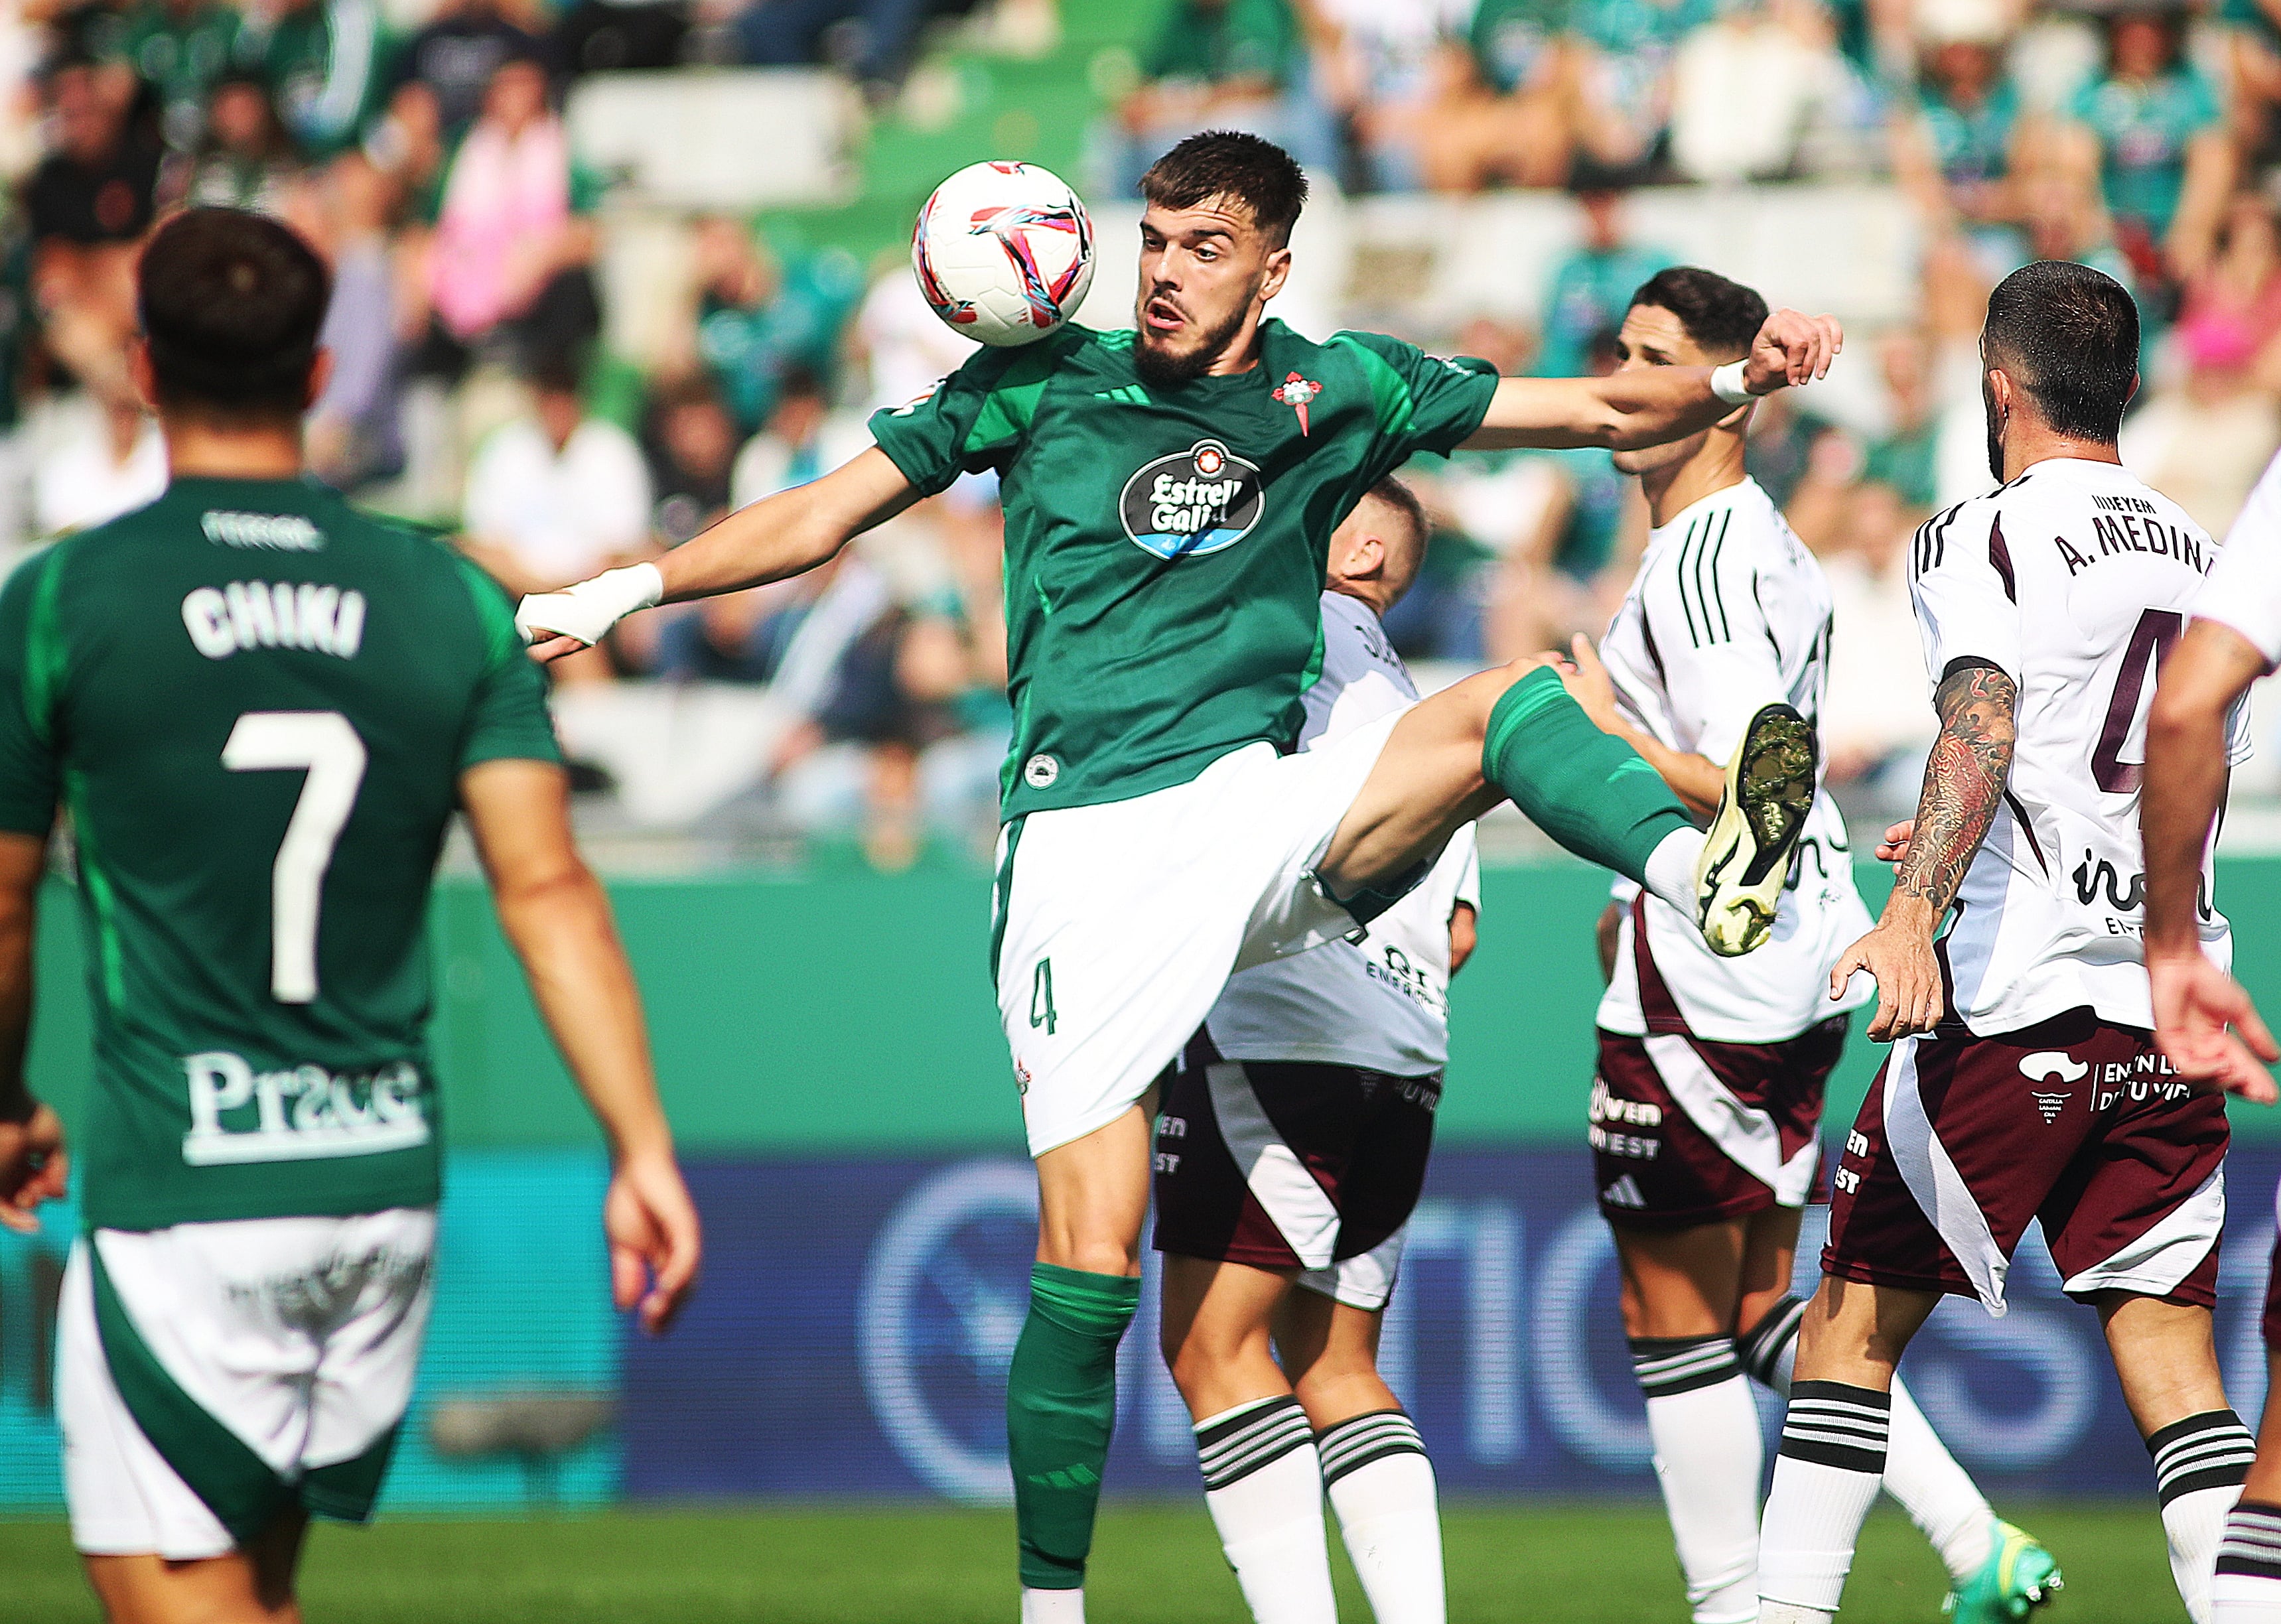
(1165, 544)
(254, 703)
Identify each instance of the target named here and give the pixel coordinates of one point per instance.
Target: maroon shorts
(1290, 1165)
(2077, 1125)
(1685, 1131)
(2272, 1323)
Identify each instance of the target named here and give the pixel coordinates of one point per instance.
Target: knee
(1091, 1254)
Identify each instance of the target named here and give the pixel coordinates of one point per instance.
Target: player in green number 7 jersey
(258, 708)
(1169, 495)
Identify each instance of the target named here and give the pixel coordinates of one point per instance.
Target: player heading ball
(257, 827)
(1157, 675)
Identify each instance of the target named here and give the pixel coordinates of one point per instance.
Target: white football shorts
(211, 1374)
(1115, 926)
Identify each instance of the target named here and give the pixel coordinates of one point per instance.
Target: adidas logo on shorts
(1625, 1192)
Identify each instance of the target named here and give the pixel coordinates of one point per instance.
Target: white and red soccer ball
(1003, 252)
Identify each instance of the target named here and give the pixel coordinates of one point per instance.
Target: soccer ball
(1004, 252)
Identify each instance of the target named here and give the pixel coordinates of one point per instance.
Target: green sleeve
(30, 671)
(1424, 402)
(974, 419)
(507, 716)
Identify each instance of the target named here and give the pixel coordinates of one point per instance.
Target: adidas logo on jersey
(290, 615)
(282, 532)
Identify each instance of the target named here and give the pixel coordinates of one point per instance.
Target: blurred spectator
(1625, 51)
(97, 460)
(454, 59)
(355, 433)
(2203, 442)
(2149, 128)
(691, 445)
(243, 160)
(1785, 51)
(2253, 41)
(1593, 284)
(873, 40)
(1957, 142)
(554, 496)
(180, 49)
(1503, 102)
(510, 255)
(903, 344)
(760, 317)
(1217, 65)
(325, 61)
(1902, 459)
(1395, 75)
(1876, 723)
(610, 36)
(88, 204)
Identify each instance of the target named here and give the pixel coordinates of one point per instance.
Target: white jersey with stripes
(1729, 612)
(2073, 580)
(1381, 1004)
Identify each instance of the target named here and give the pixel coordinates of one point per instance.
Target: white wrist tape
(588, 610)
(1727, 383)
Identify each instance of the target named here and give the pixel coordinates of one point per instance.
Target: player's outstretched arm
(778, 535)
(558, 920)
(32, 1166)
(1648, 406)
(1964, 781)
(2203, 1020)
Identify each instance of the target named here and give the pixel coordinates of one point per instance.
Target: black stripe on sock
(2209, 1450)
(1669, 1365)
(1832, 1424)
(1231, 1449)
(1759, 1348)
(2252, 1545)
(1351, 1444)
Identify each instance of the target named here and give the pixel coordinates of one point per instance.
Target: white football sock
(2247, 1587)
(1264, 1486)
(1053, 1607)
(1923, 1477)
(1670, 871)
(2199, 1464)
(1833, 1453)
(1381, 1486)
(1707, 1455)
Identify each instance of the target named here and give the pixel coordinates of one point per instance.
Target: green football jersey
(1166, 545)
(255, 703)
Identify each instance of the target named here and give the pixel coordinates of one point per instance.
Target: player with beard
(1707, 1105)
(1169, 494)
(2024, 1084)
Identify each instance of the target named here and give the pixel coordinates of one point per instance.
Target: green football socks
(1587, 790)
(1061, 1403)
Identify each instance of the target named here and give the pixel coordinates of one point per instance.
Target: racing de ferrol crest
(1296, 391)
(1191, 503)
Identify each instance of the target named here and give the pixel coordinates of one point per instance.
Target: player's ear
(321, 372)
(1368, 558)
(1738, 420)
(1279, 271)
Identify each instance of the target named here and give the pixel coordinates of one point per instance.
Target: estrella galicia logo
(1193, 502)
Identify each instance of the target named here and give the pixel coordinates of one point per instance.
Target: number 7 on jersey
(321, 743)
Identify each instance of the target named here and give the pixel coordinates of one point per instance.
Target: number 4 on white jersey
(322, 744)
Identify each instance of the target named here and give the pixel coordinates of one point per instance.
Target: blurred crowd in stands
(425, 152)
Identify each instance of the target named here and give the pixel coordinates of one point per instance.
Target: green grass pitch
(1154, 1564)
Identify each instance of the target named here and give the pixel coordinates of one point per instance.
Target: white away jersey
(1382, 1004)
(2243, 589)
(1730, 612)
(2074, 580)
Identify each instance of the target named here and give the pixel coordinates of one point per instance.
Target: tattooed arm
(1963, 786)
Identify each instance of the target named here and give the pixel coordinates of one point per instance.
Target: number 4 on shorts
(1041, 997)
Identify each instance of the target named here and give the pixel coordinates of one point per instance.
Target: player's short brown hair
(231, 303)
(1406, 552)
(2068, 335)
(1722, 317)
(1227, 163)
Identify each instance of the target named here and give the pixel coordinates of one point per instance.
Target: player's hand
(580, 616)
(1588, 682)
(1908, 973)
(2209, 1027)
(1791, 349)
(654, 1239)
(1895, 846)
(33, 1167)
